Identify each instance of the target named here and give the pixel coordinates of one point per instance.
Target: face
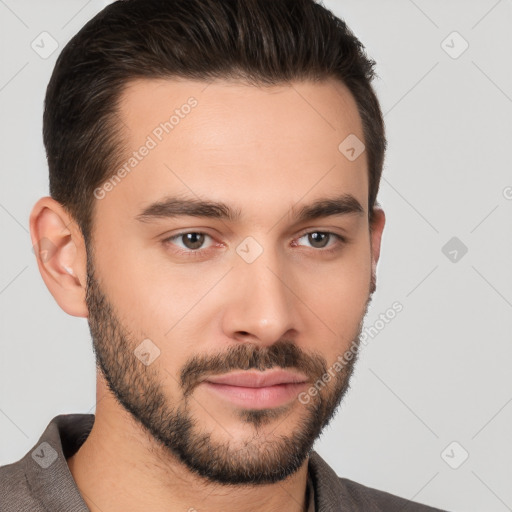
(237, 242)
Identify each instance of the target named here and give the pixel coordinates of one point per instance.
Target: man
(214, 168)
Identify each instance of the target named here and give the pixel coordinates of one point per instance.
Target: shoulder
(333, 492)
(41, 481)
(375, 499)
(15, 494)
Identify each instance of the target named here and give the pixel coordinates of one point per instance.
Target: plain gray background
(434, 384)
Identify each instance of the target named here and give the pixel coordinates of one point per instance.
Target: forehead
(326, 106)
(229, 141)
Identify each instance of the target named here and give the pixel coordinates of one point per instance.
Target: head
(206, 217)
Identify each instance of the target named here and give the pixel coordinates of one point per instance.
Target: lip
(256, 379)
(257, 390)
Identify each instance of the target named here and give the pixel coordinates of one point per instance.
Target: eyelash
(191, 253)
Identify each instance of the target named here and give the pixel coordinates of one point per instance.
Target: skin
(161, 440)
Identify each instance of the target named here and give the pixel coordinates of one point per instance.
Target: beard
(263, 458)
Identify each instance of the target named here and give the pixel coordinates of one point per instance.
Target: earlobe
(60, 253)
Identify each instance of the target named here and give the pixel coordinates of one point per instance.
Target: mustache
(282, 354)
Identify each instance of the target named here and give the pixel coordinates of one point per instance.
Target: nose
(263, 307)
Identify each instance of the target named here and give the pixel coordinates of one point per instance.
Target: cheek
(149, 291)
(167, 305)
(339, 295)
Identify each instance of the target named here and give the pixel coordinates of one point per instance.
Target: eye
(192, 241)
(321, 239)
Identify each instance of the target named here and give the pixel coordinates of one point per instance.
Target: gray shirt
(42, 482)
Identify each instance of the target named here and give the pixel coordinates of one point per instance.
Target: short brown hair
(263, 42)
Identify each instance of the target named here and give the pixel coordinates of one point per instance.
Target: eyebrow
(171, 207)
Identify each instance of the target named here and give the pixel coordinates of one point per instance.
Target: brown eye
(324, 241)
(318, 239)
(189, 241)
(192, 240)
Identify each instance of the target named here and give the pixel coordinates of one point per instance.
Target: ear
(61, 257)
(376, 229)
